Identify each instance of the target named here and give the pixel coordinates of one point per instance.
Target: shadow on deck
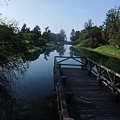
(90, 101)
(82, 97)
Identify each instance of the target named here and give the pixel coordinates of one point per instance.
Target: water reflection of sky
(39, 78)
(38, 81)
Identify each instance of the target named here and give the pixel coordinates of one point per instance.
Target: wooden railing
(81, 61)
(102, 73)
(60, 95)
(110, 77)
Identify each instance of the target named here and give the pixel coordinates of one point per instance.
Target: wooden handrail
(105, 68)
(61, 99)
(110, 77)
(102, 72)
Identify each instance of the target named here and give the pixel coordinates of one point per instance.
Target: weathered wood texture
(90, 101)
(81, 95)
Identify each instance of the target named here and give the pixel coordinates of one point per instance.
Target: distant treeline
(106, 34)
(15, 40)
(11, 34)
(36, 37)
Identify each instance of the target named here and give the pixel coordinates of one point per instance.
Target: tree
(88, 25)
(30, 37)
(47, 29)
(25, 29)
(37, 30)
(8, 33)
(112, 26)
(41, 42)
(90, 36)
(62, 35)
(47, 33)
(96, 34)
(72, 37)
(11, 39)
(83, 35)
(77, 33)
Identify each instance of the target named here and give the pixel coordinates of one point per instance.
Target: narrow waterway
(38, 81)
(34, 84)
(26, 92)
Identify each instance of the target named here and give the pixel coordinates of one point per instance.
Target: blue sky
(57, 14)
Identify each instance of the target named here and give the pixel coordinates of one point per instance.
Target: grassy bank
(32, 48)
(104, 50)
(50, 45)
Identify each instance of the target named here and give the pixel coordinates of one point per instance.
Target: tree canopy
(107, 34)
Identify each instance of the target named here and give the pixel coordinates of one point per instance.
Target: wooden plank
(90, 101)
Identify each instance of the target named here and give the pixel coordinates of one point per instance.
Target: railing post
(114, 82)
(83, 67)
(59, 66)
(86, 62)
(90, 67)
(64, 78)
(69, 96)
(89, 72)
(117, 97)
(99, 81)
(61, 72)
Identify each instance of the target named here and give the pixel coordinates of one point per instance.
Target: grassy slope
(51, 45)
(105, 50)
(32, 48)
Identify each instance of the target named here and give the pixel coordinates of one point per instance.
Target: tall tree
(46, 29)
(46, 34)
(91, 35)
(88, 25)
(37, 30)
(25, 29)
(112, 26)
(72, 37)
(63, 35)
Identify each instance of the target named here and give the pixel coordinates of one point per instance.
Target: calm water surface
(38, 81)
(36, 84)
(34, 81)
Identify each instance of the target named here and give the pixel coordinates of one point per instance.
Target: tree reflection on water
(12, 106)
(109, 62)
(10, 72)
(60, 49)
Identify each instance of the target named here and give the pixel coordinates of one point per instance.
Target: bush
(40, 42)
(92, 43)
(112, 42)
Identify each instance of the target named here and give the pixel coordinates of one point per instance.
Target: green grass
(50, 45)
(103, 49)
(78, 46)
(32, 48)
(108, 49)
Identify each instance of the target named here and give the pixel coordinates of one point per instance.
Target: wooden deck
(90, 100)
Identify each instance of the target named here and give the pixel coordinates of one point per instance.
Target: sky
(57, 14)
